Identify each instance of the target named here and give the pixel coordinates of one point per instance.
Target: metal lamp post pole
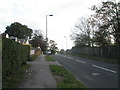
(47, 30)
(66, 42)
(46, 27)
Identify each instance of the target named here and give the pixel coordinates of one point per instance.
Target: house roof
(22, 40)
(4, 34)
(11, 37)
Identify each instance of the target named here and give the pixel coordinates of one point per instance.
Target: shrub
(14, 55)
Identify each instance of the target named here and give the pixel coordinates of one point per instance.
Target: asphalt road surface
(94, 74)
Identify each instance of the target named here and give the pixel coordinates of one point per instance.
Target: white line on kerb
(104, 69)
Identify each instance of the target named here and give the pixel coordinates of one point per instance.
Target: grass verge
(49, 58)
(33, 57)
(103, 59)
(13, 80)
(64, 78)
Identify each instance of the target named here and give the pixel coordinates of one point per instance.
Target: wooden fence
(108, 51)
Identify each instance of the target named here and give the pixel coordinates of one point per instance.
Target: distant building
(36, 51)
(13, 38)
(5, 35)
(23, 41)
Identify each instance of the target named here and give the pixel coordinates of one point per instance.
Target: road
(94, 74)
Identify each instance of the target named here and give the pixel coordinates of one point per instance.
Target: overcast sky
(32, 13)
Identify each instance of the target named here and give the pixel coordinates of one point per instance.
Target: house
(5, 35)
(13, 38)
(36, 51)
(23, 41)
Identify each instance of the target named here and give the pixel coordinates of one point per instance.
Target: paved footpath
(39, 75)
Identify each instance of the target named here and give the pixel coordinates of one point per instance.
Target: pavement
(39, 74)
(93, 74)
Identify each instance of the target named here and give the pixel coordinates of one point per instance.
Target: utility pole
(66, 42)
(47, 32)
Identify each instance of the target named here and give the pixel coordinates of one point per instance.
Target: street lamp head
(51, 15)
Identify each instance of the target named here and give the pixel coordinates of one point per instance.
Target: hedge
(14, 55)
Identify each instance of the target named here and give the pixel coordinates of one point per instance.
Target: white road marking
(58, 63)
(77, 60)
(64, 56)
(80, 61)
(69, 57)
(104, 69)
(41, 70)
(95, 74)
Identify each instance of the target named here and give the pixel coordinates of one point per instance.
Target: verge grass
(49, 58)
(33, 57)
(64, 78)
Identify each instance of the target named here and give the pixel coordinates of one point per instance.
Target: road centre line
(94, 65)
(69, 57)
(104, 68)
(80, 61)
(77, 60)
(83, 62)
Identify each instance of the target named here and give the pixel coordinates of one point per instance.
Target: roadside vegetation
(103, 59)
(12, 81)
(64, 78)
(49, 58)
(33, 57)
(14, 62)
(99, 34)
(0, 44)
(0, 62)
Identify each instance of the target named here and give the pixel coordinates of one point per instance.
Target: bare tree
(107, 16)
(82, 33)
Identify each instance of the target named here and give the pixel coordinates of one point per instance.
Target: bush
(14, 55)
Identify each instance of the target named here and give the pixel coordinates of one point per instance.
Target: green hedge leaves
(14, 55)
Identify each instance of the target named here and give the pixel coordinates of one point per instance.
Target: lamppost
(46, 27)
(66, 41)
(47, 31)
